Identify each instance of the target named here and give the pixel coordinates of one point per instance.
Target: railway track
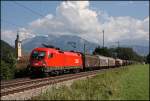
(5, 82)
(27, 84)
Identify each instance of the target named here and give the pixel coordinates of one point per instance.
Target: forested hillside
(8, 61)
(5, 50)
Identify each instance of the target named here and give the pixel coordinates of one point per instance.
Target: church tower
(18, 47)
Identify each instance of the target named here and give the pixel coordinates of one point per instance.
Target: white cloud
(8, 36)
(72, 17)
(127, 29)
(24, 33)
(76, 18)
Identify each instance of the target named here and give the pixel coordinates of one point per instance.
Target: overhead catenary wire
(10, 23)
(23, 6)
(17, 26)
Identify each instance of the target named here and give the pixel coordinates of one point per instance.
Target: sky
(124, 21)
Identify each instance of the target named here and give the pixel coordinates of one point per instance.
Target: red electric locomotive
(52, 60)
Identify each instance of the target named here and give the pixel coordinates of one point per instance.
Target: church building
(18, 47)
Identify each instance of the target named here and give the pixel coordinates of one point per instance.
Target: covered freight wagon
(119, 62)
(103, 61)
(111, 62)
(91, 61)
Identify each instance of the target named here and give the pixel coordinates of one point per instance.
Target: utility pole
(118, 49)
(84, 55)
(84, 48)
(103, 38)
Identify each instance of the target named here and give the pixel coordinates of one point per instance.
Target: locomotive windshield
(38, 55)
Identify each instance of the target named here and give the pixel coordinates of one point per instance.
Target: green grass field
(126, 83)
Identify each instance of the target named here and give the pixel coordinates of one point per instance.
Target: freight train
(51, 60)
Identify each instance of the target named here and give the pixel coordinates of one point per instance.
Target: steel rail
(44, 83)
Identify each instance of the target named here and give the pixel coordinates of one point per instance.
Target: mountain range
(69, 42)
(64, 42)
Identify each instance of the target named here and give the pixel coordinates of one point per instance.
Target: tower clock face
(19, 45)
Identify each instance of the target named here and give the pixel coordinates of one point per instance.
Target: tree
(102, 51)
(8, 67)
(5, 70)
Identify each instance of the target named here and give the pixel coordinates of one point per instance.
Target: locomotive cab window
(38, 55)
(35, 54)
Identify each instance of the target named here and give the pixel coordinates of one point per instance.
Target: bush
(8, 67)
(6, 72)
